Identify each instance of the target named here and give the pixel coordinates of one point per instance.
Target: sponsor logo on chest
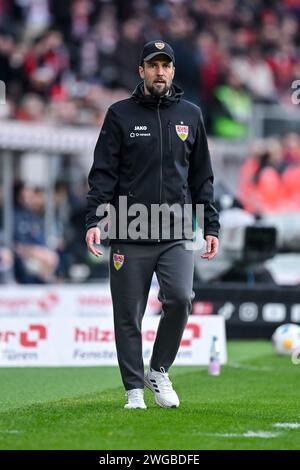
(139, 131)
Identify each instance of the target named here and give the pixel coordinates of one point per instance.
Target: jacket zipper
(161, 152)
(170, 136)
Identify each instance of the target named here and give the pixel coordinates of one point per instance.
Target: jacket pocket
(170, 136)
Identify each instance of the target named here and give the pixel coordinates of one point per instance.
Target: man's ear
(173, 73)
(142, 72)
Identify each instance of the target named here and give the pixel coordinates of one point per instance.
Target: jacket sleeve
(104, 174)
(201, 181)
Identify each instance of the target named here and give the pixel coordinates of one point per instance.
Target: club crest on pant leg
(118, 261)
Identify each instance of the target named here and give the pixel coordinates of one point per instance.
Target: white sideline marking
(237, 365)
(10, 431)
(259, 434)
(287, 425)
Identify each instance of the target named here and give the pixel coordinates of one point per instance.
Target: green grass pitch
(253, 404)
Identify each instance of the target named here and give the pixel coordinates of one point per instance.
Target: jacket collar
(151, 101)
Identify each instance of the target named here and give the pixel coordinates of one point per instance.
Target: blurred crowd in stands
(42, 254)
(270, 178)
(66, 61)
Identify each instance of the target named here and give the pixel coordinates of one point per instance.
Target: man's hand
(93, 236)
(212, 244)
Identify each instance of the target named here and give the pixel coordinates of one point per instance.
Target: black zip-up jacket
(139, 154)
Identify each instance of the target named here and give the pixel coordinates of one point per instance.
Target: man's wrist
(212, 234)
(92, 225)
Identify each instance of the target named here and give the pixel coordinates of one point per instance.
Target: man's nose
(160, 71)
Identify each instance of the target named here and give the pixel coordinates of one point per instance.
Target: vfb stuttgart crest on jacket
(118, 261)
(182, 131)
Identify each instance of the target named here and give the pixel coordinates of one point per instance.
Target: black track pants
(130, 284)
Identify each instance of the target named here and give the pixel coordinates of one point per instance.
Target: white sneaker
(161, 385)
(135, 399)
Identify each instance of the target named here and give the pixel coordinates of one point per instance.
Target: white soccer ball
(286, 339)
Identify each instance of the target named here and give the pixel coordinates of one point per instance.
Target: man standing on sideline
(152, 149)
